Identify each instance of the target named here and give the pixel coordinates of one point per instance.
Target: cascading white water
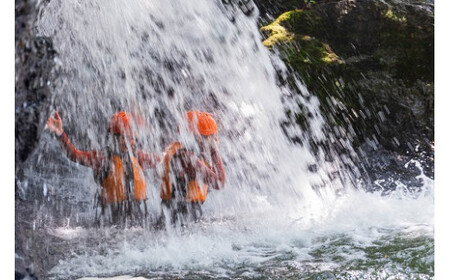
(159, 59)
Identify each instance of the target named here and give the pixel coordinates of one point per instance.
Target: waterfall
(161, 59)
(157, 60)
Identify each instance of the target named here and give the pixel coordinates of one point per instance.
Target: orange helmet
(201, 122)
(120, 123)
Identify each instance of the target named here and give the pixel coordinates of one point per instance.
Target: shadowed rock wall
(33, 65)
(371, 64)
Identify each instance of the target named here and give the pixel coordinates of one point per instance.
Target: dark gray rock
(371, 64)
(33, 66)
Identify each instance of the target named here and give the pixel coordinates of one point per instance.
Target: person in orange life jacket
(118, 170)
(187, 176)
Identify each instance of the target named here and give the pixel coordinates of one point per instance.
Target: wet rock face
(33, 65)
(371, 64)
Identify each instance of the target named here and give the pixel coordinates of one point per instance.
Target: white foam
(256, 238)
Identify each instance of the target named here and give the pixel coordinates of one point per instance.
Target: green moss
(390, 15)
(307, 50)
(288, 15)
(278, 32)
(278, 35)
(286, 32)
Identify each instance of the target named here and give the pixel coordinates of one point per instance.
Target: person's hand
(55, 124)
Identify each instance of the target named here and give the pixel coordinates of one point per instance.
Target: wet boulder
(371, 64)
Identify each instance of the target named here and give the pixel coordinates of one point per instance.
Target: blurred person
(117, 169)
(190, 169)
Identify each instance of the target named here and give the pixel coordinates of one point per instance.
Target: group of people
(186, 177)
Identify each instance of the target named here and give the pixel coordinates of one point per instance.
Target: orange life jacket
(195, 192)
(113, 187)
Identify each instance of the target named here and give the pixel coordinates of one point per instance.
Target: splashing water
(158, 59)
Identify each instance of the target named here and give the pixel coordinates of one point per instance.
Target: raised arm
(87, 158)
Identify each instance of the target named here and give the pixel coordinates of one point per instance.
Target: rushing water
(277, 217)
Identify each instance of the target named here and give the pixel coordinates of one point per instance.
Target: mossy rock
(307, 50)
(369, 62)
(289, 32)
